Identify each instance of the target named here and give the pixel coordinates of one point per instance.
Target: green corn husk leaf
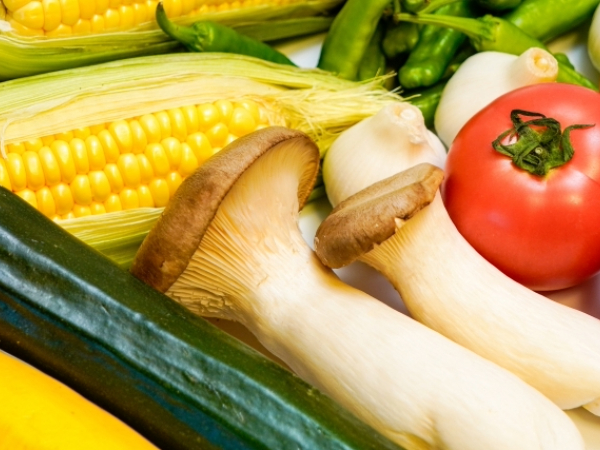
(26, 56)
(313, 101)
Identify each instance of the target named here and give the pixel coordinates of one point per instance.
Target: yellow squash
(40, 413)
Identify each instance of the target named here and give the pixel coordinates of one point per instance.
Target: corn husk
(313, 101)
(25, 56)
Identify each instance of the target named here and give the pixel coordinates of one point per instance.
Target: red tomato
(543, 232)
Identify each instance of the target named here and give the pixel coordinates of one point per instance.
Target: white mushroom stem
(377, 147)
(413, 385)
(483, 78)
(449, 287)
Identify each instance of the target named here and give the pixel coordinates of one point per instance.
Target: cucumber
(175, 378)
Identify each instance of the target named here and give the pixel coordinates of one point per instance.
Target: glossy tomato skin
(543, 232)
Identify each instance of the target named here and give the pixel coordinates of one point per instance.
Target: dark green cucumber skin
(178, 380)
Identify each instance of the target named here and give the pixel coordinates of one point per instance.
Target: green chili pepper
(433, 52)
(547, 19)
(206, 36)
(427, 101)
(373, 62)
(413, 5)
(498, 5)
(350, 35)
(491, 33)
(399, 39)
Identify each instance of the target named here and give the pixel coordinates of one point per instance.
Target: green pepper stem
(540, 144)
(184, 35)
(473, 28)
(434, 5)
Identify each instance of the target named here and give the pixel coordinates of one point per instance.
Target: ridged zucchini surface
(180, 381)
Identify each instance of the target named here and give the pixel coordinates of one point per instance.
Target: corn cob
(38, 36)
(101, 149)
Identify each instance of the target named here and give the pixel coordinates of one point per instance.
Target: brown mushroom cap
(369, 217)
(166, 251)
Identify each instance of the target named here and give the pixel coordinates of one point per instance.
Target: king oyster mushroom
(446, 285)
(228, 245)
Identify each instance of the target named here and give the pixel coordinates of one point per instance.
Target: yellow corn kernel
(70, 11)
(230, 139)
(99, 185)
(64, 158)
(18, 148)
(87, 9)
(33, 145)
(217, 135)
(112, 19)
(63, 198)
(138, 135)
(158, 159)
(22, 30)
(52, 14)
(160, 192)
(68, 216)
(208, 116)
(140, 13)
(130, 170)
(151, 127)
(126, 17)
(190, 115)
(4, 178)
(111, 149)
(47, 140)
(145, 197)
(50, 166)
(146, 170)
(82, 133)
(114, 177)
(97, 208)
(80, 155)
(98, 24)
(178, 125)
(101, 6)
(200, 145)
(81, 210)
(45, 202)
(60, 31)
(113, 203)
(16, 171)
(173, 180)
(33, 170)
(242, 121)
(252, 108)
(164, 121)
(121, 133)
(95, 151)
(172, 148)
(29, 196)
(30, 15)
(114, 4)
(13, 5)
(81, 190)
(173, 8)
(225, 107)
(64, 136)
(82, 27)
(189, 162)
(129, 198)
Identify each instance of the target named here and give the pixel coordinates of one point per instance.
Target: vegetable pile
(142, 194)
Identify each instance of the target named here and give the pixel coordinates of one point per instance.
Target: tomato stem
(540, 144)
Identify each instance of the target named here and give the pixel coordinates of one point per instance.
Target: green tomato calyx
(537, 145)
